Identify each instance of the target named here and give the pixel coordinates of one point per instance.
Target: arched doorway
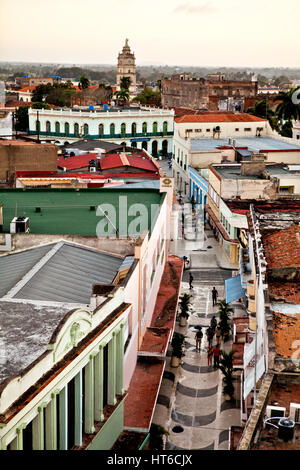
(133, 144)
(154, 148)
(145, 145)
(165, 147)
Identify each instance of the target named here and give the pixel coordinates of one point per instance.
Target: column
(89, 397)
(63, 418)
(98, 371)
(38, 429)
(78, 409)
(112, 370)
(51, 423)
(120, 361)
(190, 189)
(18, 442)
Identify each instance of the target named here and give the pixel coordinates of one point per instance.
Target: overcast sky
(162, 32)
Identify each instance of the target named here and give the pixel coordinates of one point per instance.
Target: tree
(38, 105)
(122, 95)
(288, 109)
(41, 92)
(226, 367)
(149, 96)
(22, 120)
(125, 83)
(224, 315)
(262, 109)
(83, 82)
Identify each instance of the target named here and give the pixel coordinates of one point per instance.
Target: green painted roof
(68, 211)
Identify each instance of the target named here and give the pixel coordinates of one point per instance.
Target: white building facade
(147, 128)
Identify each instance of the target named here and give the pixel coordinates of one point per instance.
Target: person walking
(218, 334)
(210, 335)
(213, 323)
(214, 294)
(209, 355)
(191, 281)
(216, 354)
(198, 336)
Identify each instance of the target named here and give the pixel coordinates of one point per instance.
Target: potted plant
(184, 305)
(156, 437)
(177, 345)
(226, 367)
(224, 315)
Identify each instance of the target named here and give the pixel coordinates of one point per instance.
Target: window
(123, 130)
(247, 129)
(85, 130)
(48, 127)
(133, 129)
(144, 128)
(101, 130)
(165, 127)
(57, 128)
(67, 129)
(155, 128)
(198, 130)
(207, 130)
(76, 129)
(112, 130)
(237, 129)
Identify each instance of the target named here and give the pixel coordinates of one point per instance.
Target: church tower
(126, 68)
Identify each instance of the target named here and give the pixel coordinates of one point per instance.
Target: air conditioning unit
(92, 169)
(275, 411)
(295, 412)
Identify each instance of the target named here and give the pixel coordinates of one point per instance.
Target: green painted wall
(110, 432)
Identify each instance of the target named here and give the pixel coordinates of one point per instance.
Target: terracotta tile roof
(218, 117)
(134, 161)
(27, 88)
(282, 248)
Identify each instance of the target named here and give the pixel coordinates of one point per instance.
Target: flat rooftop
(68, 211)
(253, 144)
(233, 171)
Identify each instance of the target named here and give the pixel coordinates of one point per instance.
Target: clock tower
(126, 68)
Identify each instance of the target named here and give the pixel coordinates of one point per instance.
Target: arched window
(154, 128)
(57, 128)
(144, 128)
(67, 128)
(145, 145)
(101, 130)
(133, 129)
(165, 127)
(85, 130)
(133, 144)
(112, 130)
(123, 130)
(48, 127)
(37, 126)
(154, 148)
(76, 129)
(164, 147)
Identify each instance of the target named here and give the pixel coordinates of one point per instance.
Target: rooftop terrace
(254, 144)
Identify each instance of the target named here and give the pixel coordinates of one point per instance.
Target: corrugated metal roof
(65, 277)
(13, 267)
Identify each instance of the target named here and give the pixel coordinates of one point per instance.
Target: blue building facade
(198, 186)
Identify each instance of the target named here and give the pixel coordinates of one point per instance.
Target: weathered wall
(42, 157)
(249, 189)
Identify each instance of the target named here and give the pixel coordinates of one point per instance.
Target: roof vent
(286, 428)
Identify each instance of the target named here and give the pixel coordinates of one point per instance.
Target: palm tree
(122, 95)
(125, 83)
(224, 315)
(83, 82)
(262, 109)
(185, 306)
(226, 367)
(288, 109)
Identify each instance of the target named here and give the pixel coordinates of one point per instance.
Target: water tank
(105, 106)
(91, 107)
(286, 428)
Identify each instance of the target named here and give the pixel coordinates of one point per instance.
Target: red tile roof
(121, 160)
(282, 248)
(218, 117)
(72, 163)
(27, 88)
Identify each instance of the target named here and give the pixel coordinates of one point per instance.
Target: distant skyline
(201, 33)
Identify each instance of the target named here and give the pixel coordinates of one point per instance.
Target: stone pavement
(190, 405)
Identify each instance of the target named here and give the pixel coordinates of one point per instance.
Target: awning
(234, 289)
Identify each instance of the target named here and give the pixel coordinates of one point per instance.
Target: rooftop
(73, 211)
(61, 272)
(73, 163)
(88, 144)
(218, 117)
(253, 144)
(233, 171)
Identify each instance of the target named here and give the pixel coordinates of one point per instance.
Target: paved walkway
(190, 404)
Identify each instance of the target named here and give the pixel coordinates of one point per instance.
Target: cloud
(190, 8)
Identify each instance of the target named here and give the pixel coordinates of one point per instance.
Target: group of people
(212, 351)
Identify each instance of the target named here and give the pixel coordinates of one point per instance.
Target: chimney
(255, 167)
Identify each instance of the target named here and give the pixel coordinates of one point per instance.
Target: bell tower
(127, 68)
